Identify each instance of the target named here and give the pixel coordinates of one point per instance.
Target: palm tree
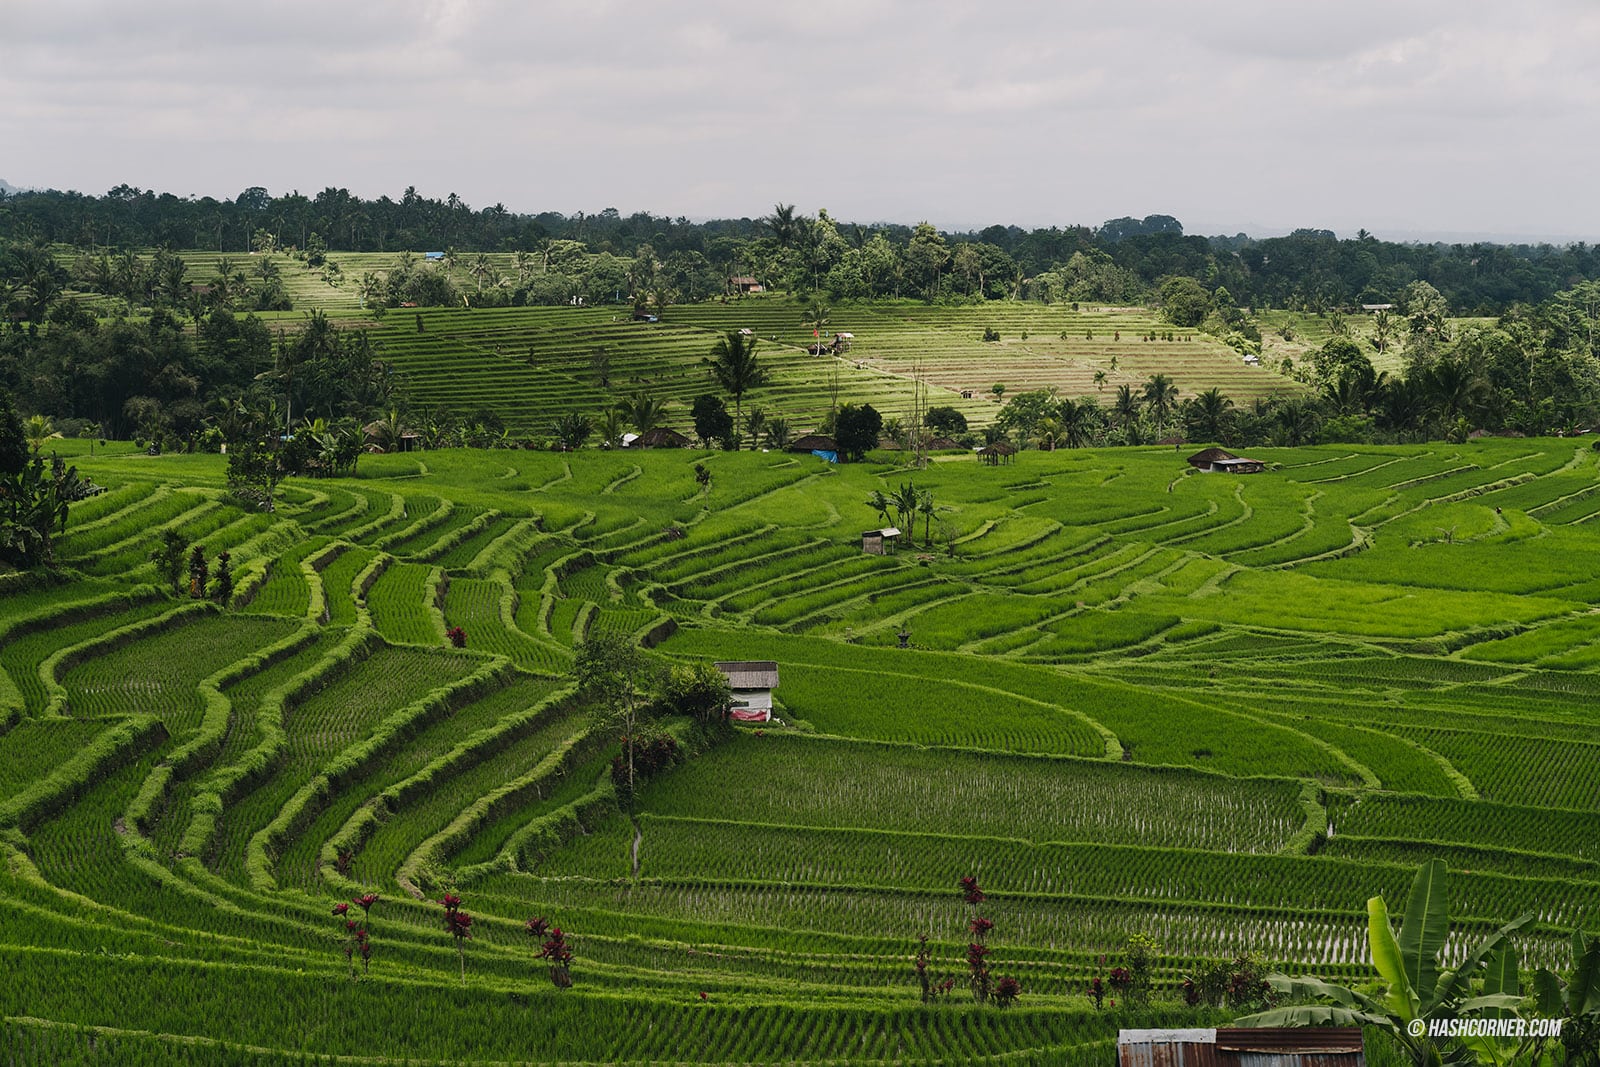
(1099, 380)
(611, 428)
(778, 433)
(783, 225)
(733, 364)
(1456, 390)
(1077, 422)
(754, 425)
(1127, 405)
(926, 507)
(524, 262)
(905, 501)
(37, 431)
(481, 268)
(816, 317)
(1209, 414)
(1161, 394)
(1297, 419)
(643, 411)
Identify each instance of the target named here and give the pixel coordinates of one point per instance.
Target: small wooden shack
(1306, 1046)
(661, 437)
(880, 542)
(1221, 461)
(743, 283)
(998, 452)
(752, 682)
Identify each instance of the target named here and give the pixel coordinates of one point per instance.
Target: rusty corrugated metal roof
(1327, 1046)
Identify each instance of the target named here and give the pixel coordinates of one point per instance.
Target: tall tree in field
(816, 317)
(643, 411)
(733, 363)
(1208, 415)
(1161, 394)
(783, 225)
(611, 670)
(1126, 405)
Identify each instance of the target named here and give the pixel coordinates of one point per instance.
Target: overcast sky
(1409, 118)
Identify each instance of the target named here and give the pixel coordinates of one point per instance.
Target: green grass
(1219, 711)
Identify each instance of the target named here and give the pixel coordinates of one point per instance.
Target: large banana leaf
(1500, 977)
(1453, 984)
(1583, 995)
(1425, 928)
(1547, 994)
(1387, 958)
(1314, 1015)
(1302, 986)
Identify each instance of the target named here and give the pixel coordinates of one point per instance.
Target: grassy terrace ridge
(514, 361)
(1221, 711)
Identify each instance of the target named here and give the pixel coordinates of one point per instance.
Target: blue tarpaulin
(831, 457)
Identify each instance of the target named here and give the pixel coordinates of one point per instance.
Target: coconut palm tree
(754, 424)
(815, 316)
(733, 363)
(778, 433)
(1161, 394)
(1076, 421)
(1297, 420)
(37, 431)
(1209, 414)
(1127, 405)
(643, 411)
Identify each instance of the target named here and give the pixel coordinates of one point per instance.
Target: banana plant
(1417, 991)
(1577, 1003)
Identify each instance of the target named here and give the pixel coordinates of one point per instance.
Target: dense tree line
(1121, 260)
(1535, 370)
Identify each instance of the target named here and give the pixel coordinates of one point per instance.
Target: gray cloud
(1412, 117)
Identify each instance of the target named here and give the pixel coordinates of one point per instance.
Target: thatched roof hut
(662, 437)
(997, 452)
(814, 442)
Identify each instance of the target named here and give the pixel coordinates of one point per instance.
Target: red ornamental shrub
(1006, 991)
(1121, 979)
(459, 924)
(558, 953)
(1097, 992)
(457, 636)
(980, 926)
(970, 890)
(341, 908)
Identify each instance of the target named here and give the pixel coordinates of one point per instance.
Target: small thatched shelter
(996, 453)
(662, 437)
(814, 442)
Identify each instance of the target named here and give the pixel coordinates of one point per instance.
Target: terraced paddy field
(1217, 711)
(527, 363)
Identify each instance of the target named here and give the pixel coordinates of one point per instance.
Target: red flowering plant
(347, 941)
(932, 989)
(457, 636)
(365, 902)
(984, 987)
(459, 925)
(555, 949)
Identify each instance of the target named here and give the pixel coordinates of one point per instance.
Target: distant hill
(6, 188)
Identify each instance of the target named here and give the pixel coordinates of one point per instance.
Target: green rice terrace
(1216, 711)
(523, 363)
